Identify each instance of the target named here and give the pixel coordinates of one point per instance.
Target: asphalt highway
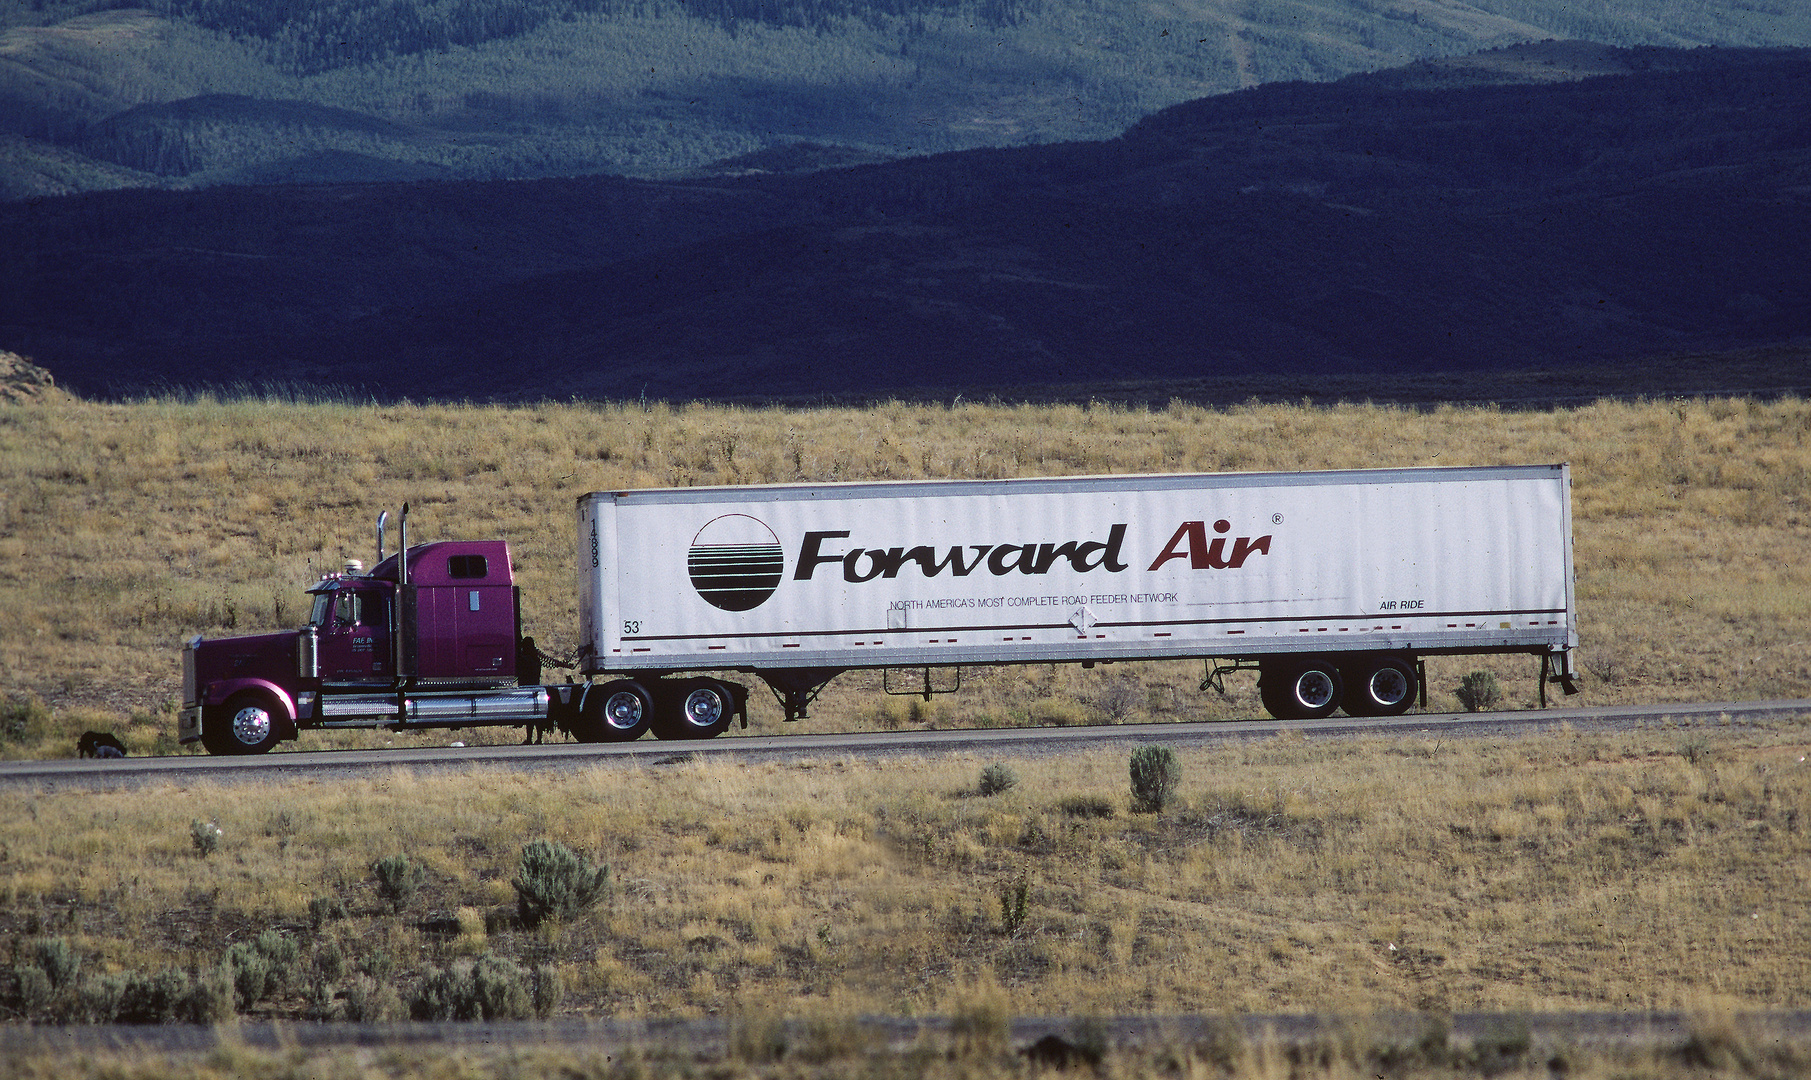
(993, 742)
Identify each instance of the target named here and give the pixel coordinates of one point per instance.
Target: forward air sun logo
(735, 562)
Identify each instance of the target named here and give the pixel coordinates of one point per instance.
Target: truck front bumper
(188, 724)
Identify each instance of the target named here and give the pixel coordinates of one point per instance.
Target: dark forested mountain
(191, 93)
(1370, 228)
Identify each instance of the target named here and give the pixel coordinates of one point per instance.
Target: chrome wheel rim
(1389, 686)
(623, 710)
(1314, 688)
(251, 725)
(703, 707)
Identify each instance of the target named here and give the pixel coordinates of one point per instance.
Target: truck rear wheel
(1304, 690)
(695, 709)
(1382, 686)
(615, 712)
(249, 723)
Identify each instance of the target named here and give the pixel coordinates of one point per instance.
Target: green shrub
(1479, 692)
(998, 778)
(99, 997)
(377, 964)
(399, 878)
(547, 989)
(61, 963)
(1014, 900)
(371, 1002)
(24, 718)
(209, 999)
(556, 883)
(325, 909)
(1155, 776)
(493, 988)
(205, 835)
(281, 953)
(330, 961)
(153, 999)
(35, 992)
(249, 972)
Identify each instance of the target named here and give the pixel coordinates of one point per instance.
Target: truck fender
(218, 692)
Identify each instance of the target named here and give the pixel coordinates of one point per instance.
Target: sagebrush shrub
(249, 973)
(368, 1001)
(998, 778)
(1478, 691)
(153, 999)
(330, 961)
(493, 988)
(1014, 901)
(260, 968)
(399, 878)
(325, 909)
(555, 883)
(1155, 776)
(205, 835)
(98, 998)
(59, 960)
(23, 717)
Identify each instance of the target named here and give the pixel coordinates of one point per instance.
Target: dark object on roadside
(99, 744)
(1054, 1051)
(528, 673)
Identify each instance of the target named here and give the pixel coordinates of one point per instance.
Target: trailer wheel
(1384, 686)
(1306, 690)
(249, 723)
(696, 709)
(615, 712)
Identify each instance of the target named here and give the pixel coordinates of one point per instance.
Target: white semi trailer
(1333, 585)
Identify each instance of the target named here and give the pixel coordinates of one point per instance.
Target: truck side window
(345, 609)
(466, 566)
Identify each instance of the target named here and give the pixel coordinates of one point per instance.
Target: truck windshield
(323, 603)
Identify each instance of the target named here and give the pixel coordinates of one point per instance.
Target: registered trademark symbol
(1276, 519)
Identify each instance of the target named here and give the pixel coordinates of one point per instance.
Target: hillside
(1351, 234)
(189, 93)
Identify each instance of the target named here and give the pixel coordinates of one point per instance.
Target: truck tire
(617, 711)
(1304, 690)
(1381, 686)
(695, 709)
(250, 722)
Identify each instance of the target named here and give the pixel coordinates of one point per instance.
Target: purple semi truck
(430, 640)
(1332, 586)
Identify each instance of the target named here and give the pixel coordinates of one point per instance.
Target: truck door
(355, 642)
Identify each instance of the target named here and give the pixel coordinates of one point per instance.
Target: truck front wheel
(249, 723)
(1305, 690)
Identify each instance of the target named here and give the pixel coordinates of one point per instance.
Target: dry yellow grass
(1713, 1045)
(1654, 870)
(124, 528)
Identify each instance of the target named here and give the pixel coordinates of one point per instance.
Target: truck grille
(190, 692)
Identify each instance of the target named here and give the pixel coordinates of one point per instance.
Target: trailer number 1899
(631, 626)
